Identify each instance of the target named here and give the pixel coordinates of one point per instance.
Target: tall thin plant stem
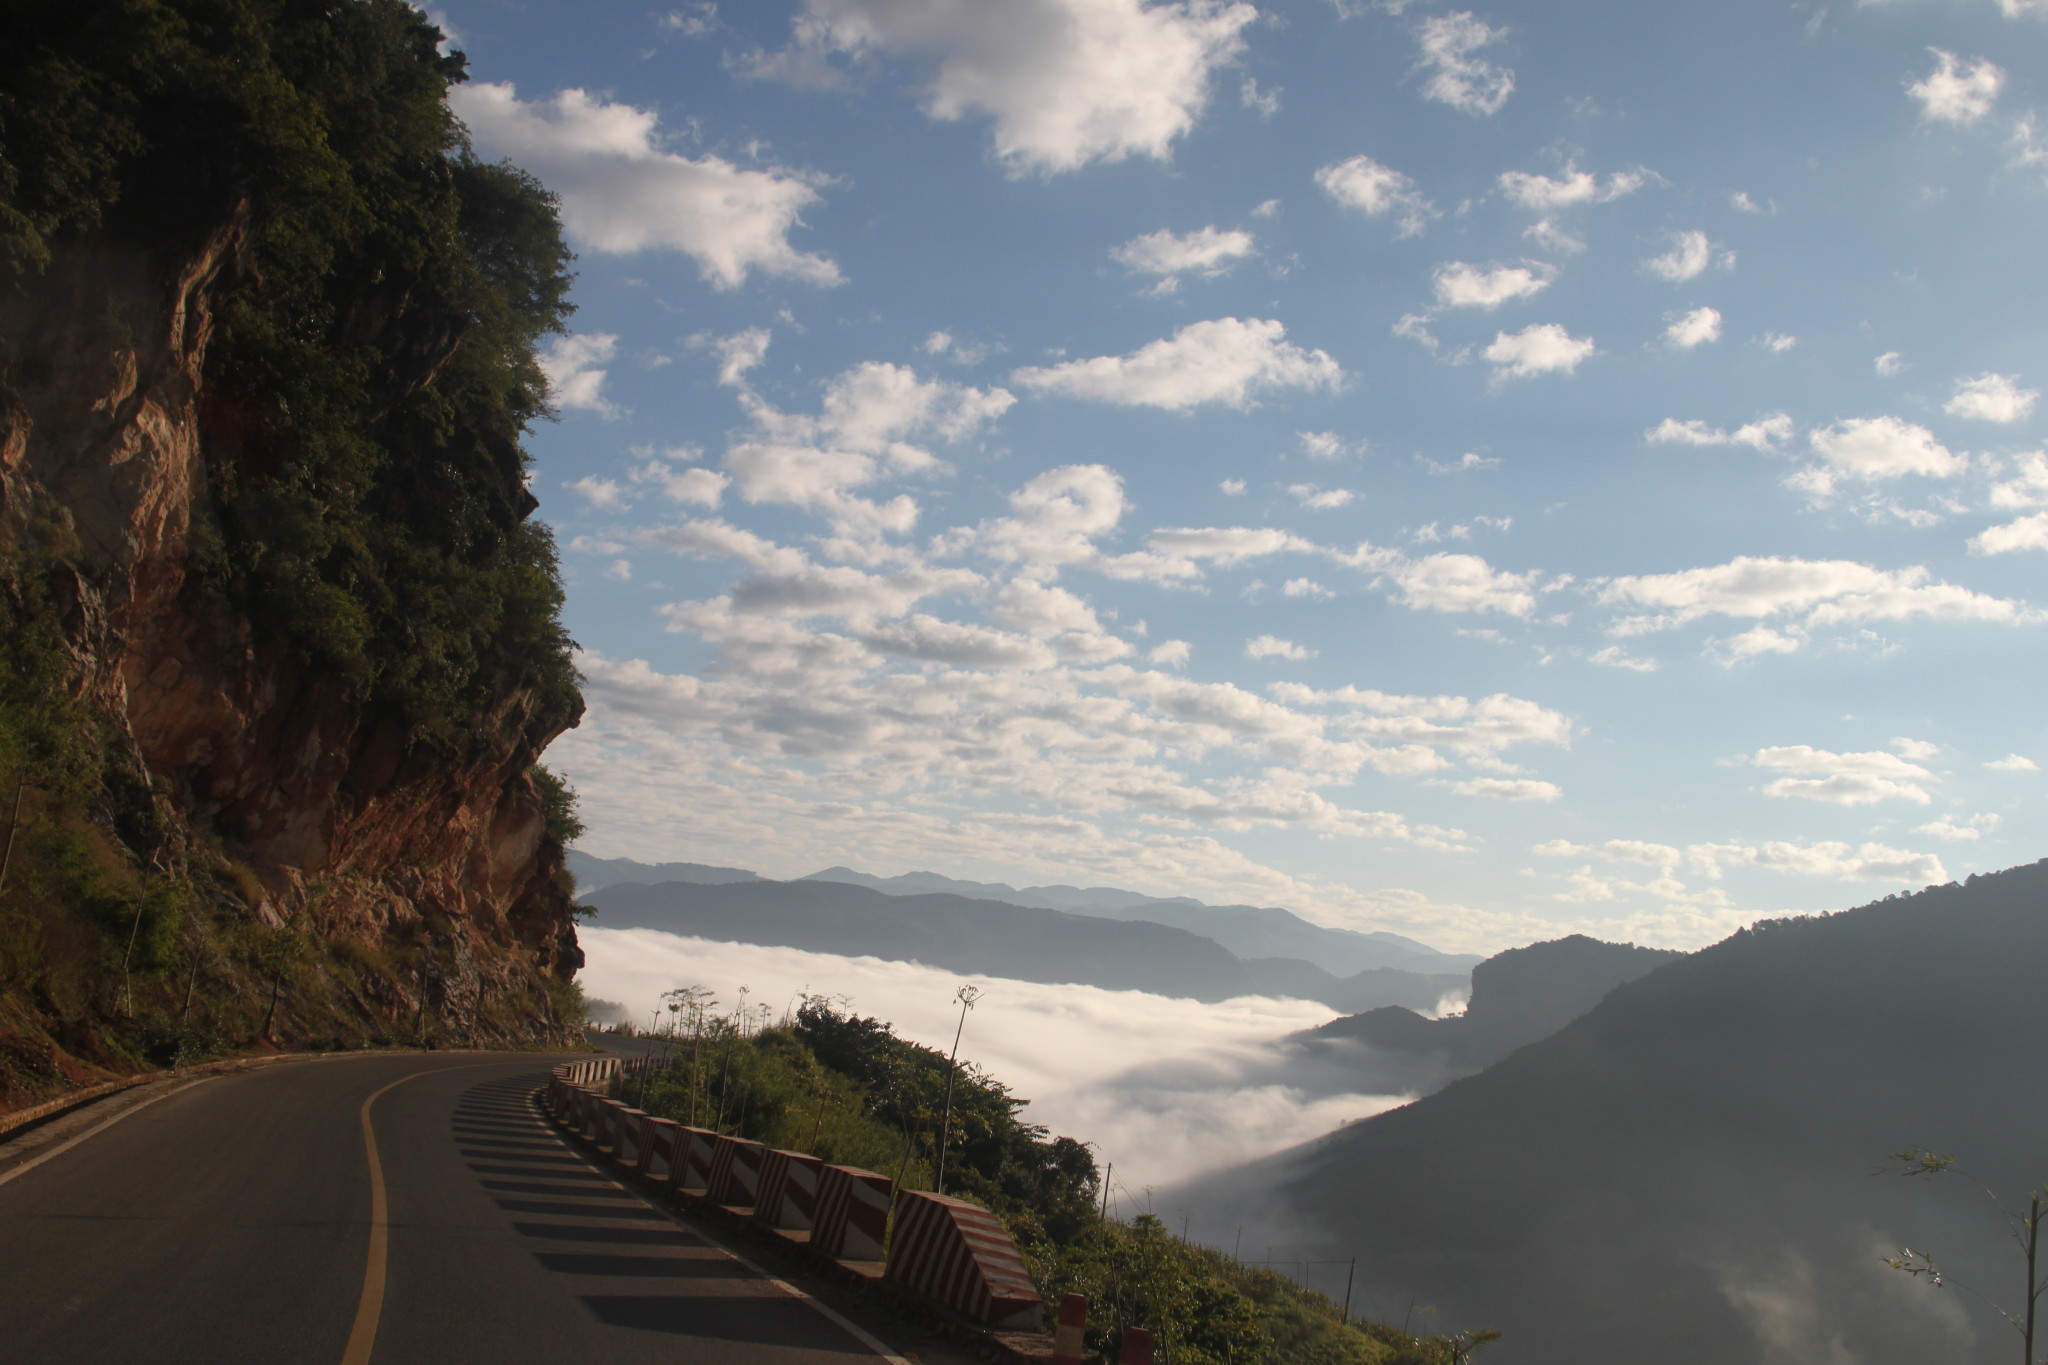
(966, 995)
(13, 824)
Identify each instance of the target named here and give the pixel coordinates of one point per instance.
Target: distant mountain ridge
(1248, 932)
(995, 938)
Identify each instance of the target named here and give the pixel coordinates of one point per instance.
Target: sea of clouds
(1167, 1089)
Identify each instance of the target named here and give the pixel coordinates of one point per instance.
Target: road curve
(231, 1222)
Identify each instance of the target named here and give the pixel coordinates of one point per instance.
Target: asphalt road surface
(236, 1220)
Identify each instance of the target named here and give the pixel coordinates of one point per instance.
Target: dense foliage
(846, 1088)
(374, 367)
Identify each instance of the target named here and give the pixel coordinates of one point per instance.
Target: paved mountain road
(231, 1221)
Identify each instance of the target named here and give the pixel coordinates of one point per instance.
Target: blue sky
(1479, 472)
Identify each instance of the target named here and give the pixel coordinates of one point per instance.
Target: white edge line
(830, 1314)
(68, 1143)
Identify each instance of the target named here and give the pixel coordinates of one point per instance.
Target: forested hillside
(1687, 1173)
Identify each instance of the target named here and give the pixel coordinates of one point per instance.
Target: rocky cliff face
(279, 644)
(252, 754)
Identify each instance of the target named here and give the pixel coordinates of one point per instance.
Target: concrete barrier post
(1137, 1347)
(787, 1201)
(950, 1253)
(852, 1221)
(693, 1170)
(1068, 1337)
(735, 1173)
(657, 1140)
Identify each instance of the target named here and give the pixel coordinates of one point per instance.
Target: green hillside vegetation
(371, 373)
(847, 1089)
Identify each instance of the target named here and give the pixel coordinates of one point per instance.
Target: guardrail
(946, 1254)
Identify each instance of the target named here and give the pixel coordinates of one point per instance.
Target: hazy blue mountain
(979, 937)
(1074, 899)
(1264, 931)
(1246, 930)
(1684, 1173)
(594, 874)
(1373, 988)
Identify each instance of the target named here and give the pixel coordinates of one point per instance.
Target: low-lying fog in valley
(1167, 1089)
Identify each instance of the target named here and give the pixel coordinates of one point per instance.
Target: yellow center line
(362, 1337)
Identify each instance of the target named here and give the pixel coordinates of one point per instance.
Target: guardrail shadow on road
(951, 1263)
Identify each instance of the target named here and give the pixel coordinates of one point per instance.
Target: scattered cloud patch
(1888, 364)
(1991, 398)
(1226, 361)
(1361, 183)
(1854, 779)
(1509, 789)
(1696, 328)
(1065, 82)
(621, 193)
(1958, 90)
(1306, 587)
(1613, 656)
(1459, 285)
(1543, 348)
(1777, 342)
(1546, 194)
(1206, 252)
(1765, 434)
(1448, 582)
(2028, 533)
(1320, 499)
(575, 370)
(1801, 595)
(1690, 254)
(1459, 77)
(1273, 647)
(2013, 763)
(1874, 448)
(1965, 831)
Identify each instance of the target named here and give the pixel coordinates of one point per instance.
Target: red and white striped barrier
(788, 1198)
(853, 1213)
(1068, 1339)
(948, 1252)
(735, 1173)
(693, 1164)
(657, 1143)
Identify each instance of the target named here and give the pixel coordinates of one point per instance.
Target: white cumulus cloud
(1690, 254)
(1065, 82)
(1958, 90)
(1803, 594)
(1225, 360)
(1449, 582)
(1206, 251)
(1695, 328)
(575, 370)
(621, 193)
(2028, 533)
(1543, 348)
(1361, 183)
(1853, 779)
(1273, 647)
(1872, 448)
(1991, 398)
(1545, 193)
(1459, 285)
